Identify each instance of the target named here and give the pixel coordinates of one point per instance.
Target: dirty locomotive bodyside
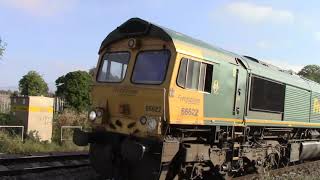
(166, 106)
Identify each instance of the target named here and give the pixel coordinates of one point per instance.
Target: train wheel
(228, 176)
(100, 157)
(272, 161)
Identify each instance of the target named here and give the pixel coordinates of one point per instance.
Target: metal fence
(64, 133)
(15, 127)
(5, 103)
(59, 104)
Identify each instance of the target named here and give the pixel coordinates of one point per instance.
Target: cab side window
(195, 75)
(181, 81)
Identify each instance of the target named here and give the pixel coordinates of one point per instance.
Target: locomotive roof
(136, 27)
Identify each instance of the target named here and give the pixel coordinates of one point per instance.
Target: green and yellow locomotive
(166, 106)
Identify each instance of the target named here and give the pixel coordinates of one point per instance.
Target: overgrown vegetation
(311, 72)
(4, 119)
(68, 118)
(10, 142)
(74, 87)
(32, 84)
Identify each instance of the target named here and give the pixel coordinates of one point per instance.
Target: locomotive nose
(126, 157)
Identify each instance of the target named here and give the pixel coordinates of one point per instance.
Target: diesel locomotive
(168, 106)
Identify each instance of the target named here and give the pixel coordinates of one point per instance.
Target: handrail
(22, 130)
(164, 105)
(67, 127)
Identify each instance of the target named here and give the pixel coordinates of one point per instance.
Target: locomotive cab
(129, 102)
(130, 90)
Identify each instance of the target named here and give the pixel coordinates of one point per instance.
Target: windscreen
(113, 67)
(151, 67)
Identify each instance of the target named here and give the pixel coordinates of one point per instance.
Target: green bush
(4, 119)
(7, 119)
(68, 118)
(10, 142)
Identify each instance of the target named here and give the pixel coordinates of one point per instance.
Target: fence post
(67, 127)
(22, 130)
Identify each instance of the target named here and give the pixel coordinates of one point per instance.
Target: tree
(74, 87)
(311, 72)
(32, 84)
(91, 71)
(2, 47)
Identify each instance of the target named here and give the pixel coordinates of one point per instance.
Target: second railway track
(13, 166)
(303, 170)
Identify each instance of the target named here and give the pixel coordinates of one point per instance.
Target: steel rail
(280, 171)
(43, 157)
(39, 169)
(13, 166)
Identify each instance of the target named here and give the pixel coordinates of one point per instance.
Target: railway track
(303, 169)
(14, 166)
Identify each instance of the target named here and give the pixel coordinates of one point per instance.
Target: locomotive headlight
(92, 115)
(143, 120)
(151, 124)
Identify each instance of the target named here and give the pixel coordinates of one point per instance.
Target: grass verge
(12, 144)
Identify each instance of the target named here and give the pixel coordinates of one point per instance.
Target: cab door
(240, 75)
(225, 104)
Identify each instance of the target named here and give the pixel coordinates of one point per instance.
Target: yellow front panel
(148, 102)
(142, 99)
